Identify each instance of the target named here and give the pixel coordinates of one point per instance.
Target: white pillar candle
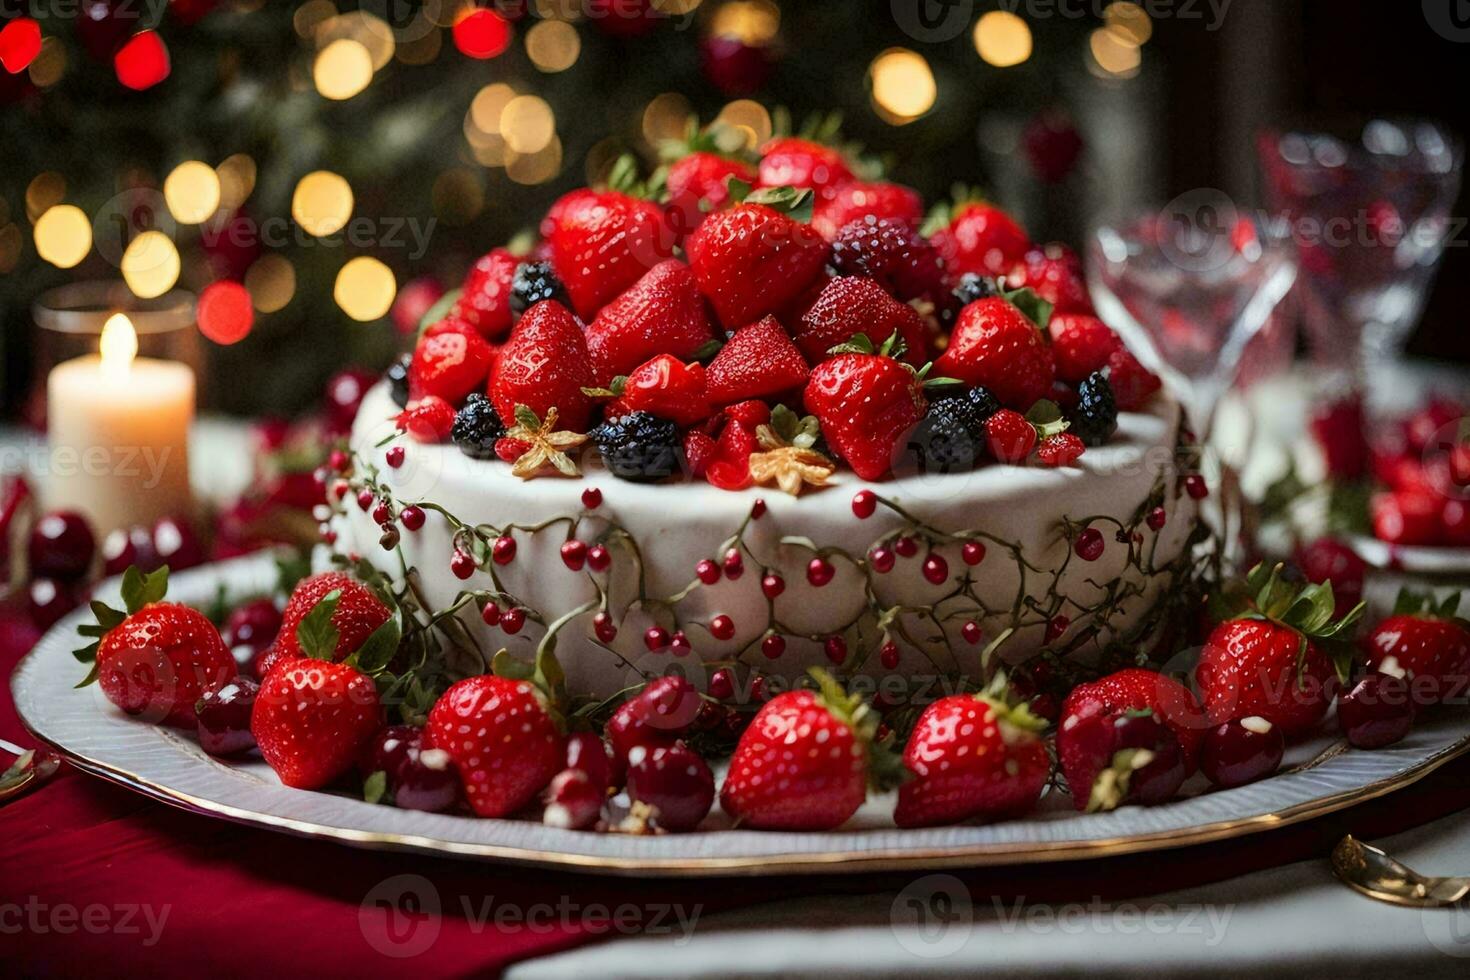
(118, 427)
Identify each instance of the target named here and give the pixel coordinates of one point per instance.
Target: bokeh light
(752, 22)
(271, 280)
(750, 117)
(150, 264)
(322, 203)
(45, 191)
(342, 69)
(903, 85)
(1113, 54)
(534, 168)
(480, 33)
(372, 32)
(192, 192)
(311, 15)
(20, 43)
(50, 64)
(142, 62)
(553, 45)
(365, 289)
(528, 124)
(666, 117)
(63, 235)
(421, 43)
(224, 312)
(1129, 20)
(487, 106)
(458, 195)
(236, 175)
(12, 244)
(1002, 39)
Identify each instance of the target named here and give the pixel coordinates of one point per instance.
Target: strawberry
(752, 413)
(428, 419)
(1132, 383)
(449, 364)
(1009, 436)
(1080, 345)
(759, 361)
(157, 658)
(973, 236)
(312, 719)
(1055, 274)
(890, 251)
(662, 313)
(1112, 758)
(700, 449)
(602, 242)
(753, 259)
(1407, 517)
(729, 469)
(1062, 449)
(1138, 689)
(972, 756)
(544, 365)
(357, 615)
(853, 305)
(1426, 641)
(867, 405)
(484, 300)
(805, 760)
(861, 199)
(698, 185)
(1000, 348)
(1275, 656)
(789, 161)
(665, 387)
(503, 731)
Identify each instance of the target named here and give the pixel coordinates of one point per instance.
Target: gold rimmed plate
(1319, 778)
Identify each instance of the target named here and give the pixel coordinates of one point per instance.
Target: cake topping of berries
(477, 427)
(534, 282)
(952, 436)
(639, 447)
(1095, 416)
(787, 458)
(546, 445)
(661, 313)
(867, 404)
(892, 253)
(997, 345)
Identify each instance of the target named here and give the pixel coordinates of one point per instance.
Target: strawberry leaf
(89, 679)
(860, 343)
(707, 350)
(736, 189)
(315, 633)
(375, 787)
(614, 390)
(795, 203)
(440, 309)
(379, 648)
(527, 417)
(1036, 309)
(107, 619)
(139, 590)
(623, 176)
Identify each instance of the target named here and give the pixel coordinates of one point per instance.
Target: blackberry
(477, 427)
(1095, 417)
(951, 437)
(534, 282)
(398, 379)
(973, 286)
(638, 447)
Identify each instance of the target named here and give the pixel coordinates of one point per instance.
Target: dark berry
(398, 379)
(124, 548)
(588, 753)
(1241, 751)
(951, 436)
(973, 286)
(1160, 778)
(1089, 545)
(675, 781)
(61, 546)
(638, 447)
(891, 252)
(477, 427)
(1378, 711)
(1095, 417)
(176, 543)
(426, 781)
(253, 625)
(388, 750)
(224, 717)
(534, 282)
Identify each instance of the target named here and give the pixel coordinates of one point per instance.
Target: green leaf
(795, 202)
(440, 309)
(316, 634)
(707, 350)
(378, 650)
(1044, 412)
(613, 390)
(784, 423)
(860, 343)
(624, 175)
(503, 664)
(1037, 310)
(138, 590)
(375, 787)
(88, 653)
(939, 382)
(894, 346)
(526, 416)
(90, 678)
(737, 189)
(108, 618)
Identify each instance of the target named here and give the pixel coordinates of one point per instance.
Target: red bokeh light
(142, 62)
(20, 42)
(481, 33)
(225, 313)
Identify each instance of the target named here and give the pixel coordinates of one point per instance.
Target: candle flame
(119, 345)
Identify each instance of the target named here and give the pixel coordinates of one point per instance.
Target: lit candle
(118, 426)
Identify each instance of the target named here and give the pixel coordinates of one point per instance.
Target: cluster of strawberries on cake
(665, 320)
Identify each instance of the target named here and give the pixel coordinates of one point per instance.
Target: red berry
(836, 649)
(592, 498)
(503, 551)
(1195, 486)
(573, 801)
(574, 554)
(936, 569)
(1062, 449)
(973, 552)
(882, 560)
(1089, 545)
(734, 564)
(864, 504)
(224, 717)
(656, 638)
(510, 450)
(61, 546)
(721, 684)
(364, 499)
(679, 644)
(1056, 626)
(971, 632)
(1241, 751)
(1378, 711)
(598, 558)
(513, 620)
(758, 509)
(772, 585)
(604, 628)
(722, 627)
(888, 655)
(394, 457)
(429, 419)
(462, 565)
(412, 517)
(490, 614)
(773, 646)
(906, 547)
(1157, 518)
(1010, 436)
(382, 513)
(819, 572)
(707, 571)
(674, 781)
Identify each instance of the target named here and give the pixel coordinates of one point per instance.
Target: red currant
(973, 552)
(758, 688)
(758, 509)
(1056, 626)
(592, 498)
(773, 646)
(364, 499)
(490, 614)
(604, 628)
(394, 457)
(734, 564)
(656, 638)
(513, 620)
(598, 558)
(888, 655)
(772, 585)
(338, 461)
(1195, 486)
(836, 649)
(721, 684)
(722, 627)
(503, 551)
(906, 547)
(882, 560)
(936, 569)
(864, 504)
(412, 517)
(1156, 518)
(382, 513)
(574, 554)
(707, 571)
(679, 644)
(971, 632)
(462, 565)
(1089, 545)
(819, 572)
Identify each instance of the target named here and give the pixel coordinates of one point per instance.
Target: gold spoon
(1375, 874)
(31, 768)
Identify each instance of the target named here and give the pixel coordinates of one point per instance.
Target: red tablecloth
(97, 879)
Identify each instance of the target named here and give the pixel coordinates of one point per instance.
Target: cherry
(773, 646)
(669, 703)
(573, 802)
(426, 781)
(47, 600)
(126, 547)
(772, 585)
(675, 781)
(388, 750)
(1329, 559)
(707, 571)
(61, 547)
(1378, 711)
(266, 661)
(656, 638)
(253, 626)
(1158, 780)
(224, 717)
(882, 560)
(176, 543)
(722, 627)
(1241, 751)
(721, 683)
(836, 649)
(592, 498)
(1089, 545)
(627, 730)
(864, 504)
(589, 754)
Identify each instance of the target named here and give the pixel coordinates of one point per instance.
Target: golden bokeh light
(271, 280)
(666, 117)
(322, 203)
(342, 69)
(1113, 54)
(63, 235)
(534, 168)
(903, 85)
(488, 104)
(365, 289)
(45, 191)
(749, 117)
(752, 22)
(150, 264)
(311, 15)
(236, 175)
(1002, 39)
(192, 192)
(370, 31)
(528, 124)
(50, 64)
(553, 45)
(1130, 20)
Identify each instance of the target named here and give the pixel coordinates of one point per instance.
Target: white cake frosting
(677, 524)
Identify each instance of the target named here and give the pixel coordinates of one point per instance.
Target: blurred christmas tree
(339, 160)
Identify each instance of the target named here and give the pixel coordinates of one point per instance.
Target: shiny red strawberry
(804, 762)
(861, 199)
(450, 365)
(729, 468)
(867, 405)
(789, 161)
(759, 361)
(997, 347)
(1080, 345)
(665, 387)
(852, 305)
(1132, 383)
(1138, 689)
(504, 736)
(484, 301)
(1055, 274)
(156, 659)
(1426, 641)
(544, 365)
(1276, 658)
(1010, 437)
(890, 251)
(662, 313)
(698, 185)
(753, 259)
(972, 756)
(603, 242)
(973, 236)
(312, 720)
(357, 615)
(428, 419)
